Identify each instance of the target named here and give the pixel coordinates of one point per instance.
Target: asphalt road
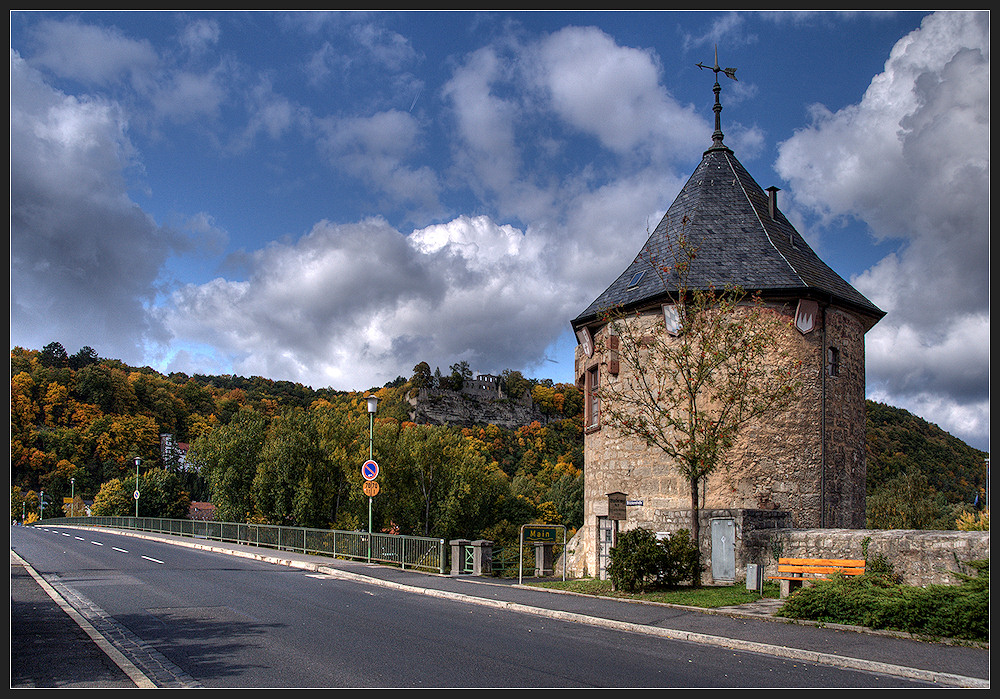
(193, 618)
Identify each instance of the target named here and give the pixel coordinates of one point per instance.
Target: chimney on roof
(772, 201)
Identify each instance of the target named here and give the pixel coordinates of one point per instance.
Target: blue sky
(330, 198)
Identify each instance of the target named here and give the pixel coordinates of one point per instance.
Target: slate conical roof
(726, 216)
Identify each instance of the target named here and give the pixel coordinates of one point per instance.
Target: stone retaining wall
(920, 557)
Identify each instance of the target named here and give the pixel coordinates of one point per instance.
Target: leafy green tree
(156, 397)
(54, 355)
(474, 491)
(21, 502)
(107, 387)
(295, 482)
(566, 494)
(228, 457)
(432, 454)
(161, 495)
(904, 502)
(460, 373)
(343, 434)
(515, 383)
(114, 499)
(422, 376)
(84, 357)
(56, 482)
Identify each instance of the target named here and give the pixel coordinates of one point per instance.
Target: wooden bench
(794, 572)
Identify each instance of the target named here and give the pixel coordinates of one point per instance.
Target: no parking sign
(369, 470)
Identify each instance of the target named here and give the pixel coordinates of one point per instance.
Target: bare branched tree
(694, 375)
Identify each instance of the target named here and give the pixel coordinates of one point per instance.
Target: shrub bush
(635, 560)
(877, 600)
(640, 560)
(682, 560)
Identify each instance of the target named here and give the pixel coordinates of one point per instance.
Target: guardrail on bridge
(406, 551)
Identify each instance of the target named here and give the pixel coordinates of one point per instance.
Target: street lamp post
(41, 504)
(72, 497)
(136, 493)
(372, 406)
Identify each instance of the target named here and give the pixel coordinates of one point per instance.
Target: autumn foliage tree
(282, 453)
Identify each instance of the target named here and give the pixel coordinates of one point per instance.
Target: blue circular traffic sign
(369, 470)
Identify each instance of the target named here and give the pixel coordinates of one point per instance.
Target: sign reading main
(540, 533)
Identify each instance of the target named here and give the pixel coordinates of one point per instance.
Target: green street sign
(544, 534)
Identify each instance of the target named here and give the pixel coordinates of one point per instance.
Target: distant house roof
(727, 218)
(201, 511)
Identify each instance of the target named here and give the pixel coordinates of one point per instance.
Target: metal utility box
(755, 577)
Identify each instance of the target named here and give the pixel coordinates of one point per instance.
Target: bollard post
(482, 557)
(543, 559)
(458, 547)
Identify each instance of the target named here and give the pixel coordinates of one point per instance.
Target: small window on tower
(593, 405)
(833, 361)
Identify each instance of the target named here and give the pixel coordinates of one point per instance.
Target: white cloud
(378, 150)
(189, 96)
(200, 35)
(912, 161)
(613, 92)
(84, 257)
(90, 54)
(356, 305)
(485, 146)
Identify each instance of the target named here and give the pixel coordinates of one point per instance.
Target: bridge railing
(406, 551)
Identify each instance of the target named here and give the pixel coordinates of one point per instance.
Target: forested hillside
(919, 476)
(281, 452)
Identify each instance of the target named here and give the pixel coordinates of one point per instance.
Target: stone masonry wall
(919, 557)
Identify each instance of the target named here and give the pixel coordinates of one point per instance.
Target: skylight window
(636, 278)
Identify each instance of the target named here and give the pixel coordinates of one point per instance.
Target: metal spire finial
(731, 74)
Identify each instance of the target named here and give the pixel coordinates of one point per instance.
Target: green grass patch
(706, 597)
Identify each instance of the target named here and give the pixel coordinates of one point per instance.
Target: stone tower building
(804, 468)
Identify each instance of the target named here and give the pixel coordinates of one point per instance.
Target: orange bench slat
(801, 567)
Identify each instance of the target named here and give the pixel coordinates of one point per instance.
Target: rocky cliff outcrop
(439, 407)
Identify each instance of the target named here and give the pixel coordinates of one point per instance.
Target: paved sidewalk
(747, 627)
(48, 647)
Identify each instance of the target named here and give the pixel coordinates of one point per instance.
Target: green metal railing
(405, 551)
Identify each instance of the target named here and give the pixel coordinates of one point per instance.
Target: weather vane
(731, 74)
